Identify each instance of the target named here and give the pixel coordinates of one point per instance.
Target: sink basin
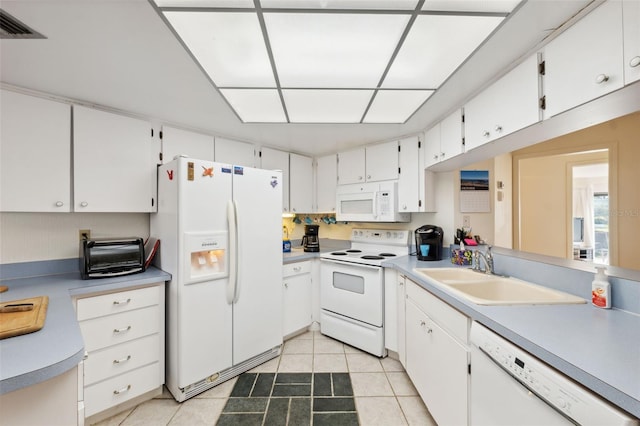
(485, 289)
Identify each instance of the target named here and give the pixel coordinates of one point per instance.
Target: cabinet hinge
(419, 203)
(160, 134)
(463, 141)
(543, 102)
(541, 67)
(399, 148)
(398, 170)
(160, 156)
(260, 154)
(469, 369)
(152, 132)
(463, 118)
(152, 201)
(419, 144)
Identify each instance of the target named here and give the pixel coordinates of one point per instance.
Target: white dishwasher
(511, 387)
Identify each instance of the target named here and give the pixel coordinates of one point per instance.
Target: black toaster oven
(109, 257)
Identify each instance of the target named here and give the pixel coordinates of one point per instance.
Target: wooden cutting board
(17, 323)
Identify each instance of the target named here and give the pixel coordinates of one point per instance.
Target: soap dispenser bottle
(601, 289)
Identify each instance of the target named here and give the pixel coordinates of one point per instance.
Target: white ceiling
(119, 54)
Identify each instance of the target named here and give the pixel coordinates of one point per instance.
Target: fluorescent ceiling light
(395, 106)
(326, 106)
(256, 105)
(331, 61)
(333, 50)
(436, 46)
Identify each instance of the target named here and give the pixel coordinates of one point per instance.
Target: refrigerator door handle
(232, 219)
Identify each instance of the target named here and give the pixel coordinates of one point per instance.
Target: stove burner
(369, 257)
(339, 253)
(354, 251)
(387, 254)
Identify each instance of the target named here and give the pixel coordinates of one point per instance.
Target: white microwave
(369, 202)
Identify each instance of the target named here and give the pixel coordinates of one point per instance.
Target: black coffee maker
(310, 240)
(429, 242)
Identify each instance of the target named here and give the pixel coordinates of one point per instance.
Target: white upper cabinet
(326, 182)
(508, 105)
(114, 160)
(273, 159)
(351, 166)
(382, 161)
(35, 154)
(372, 163)
(183, 142)
(411, 182)
(235, 152)
(585, 61)
(300, 183)
(631, 26)
(444, 140)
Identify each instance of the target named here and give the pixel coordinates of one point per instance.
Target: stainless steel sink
(486, 289)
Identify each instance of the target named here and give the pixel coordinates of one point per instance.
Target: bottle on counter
(286, 243)
(601, 289)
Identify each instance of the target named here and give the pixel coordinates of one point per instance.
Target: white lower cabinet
(296, 294)
(401, 319)
(124, 339)
(437, 355)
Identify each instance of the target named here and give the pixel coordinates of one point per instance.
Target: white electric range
(352, 287)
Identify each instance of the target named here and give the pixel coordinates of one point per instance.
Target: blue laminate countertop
(597, 348)
(58, 347)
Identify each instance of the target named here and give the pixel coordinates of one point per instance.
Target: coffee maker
(429, 242)
(310, 240)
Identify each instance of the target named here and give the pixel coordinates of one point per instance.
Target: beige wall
(620, 136)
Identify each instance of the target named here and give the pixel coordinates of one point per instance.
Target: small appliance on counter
(110, 257)
(429, 242)
(310, 240)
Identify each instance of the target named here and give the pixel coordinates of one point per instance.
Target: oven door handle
(350, 264)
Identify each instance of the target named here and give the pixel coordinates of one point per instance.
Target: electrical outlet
(466, 221)
(84, 233)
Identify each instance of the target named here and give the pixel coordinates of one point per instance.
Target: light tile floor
(384, 394)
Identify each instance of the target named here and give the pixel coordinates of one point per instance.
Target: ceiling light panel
(229, 46)
(491, 6)
(435, 47)
(326, 106)
(206, 3)
(256, 105)
(395, 106)
(318, 50)
(341, 4)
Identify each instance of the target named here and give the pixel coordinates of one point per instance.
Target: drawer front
(122, 388)
(114, 329)
(120, 359)
(446, 316)
(296, 268)
(114, 303)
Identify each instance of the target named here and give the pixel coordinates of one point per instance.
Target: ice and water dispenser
(206, 256)
(429, 242)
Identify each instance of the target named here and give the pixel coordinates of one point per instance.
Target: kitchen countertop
(58, 347)
(598, 348)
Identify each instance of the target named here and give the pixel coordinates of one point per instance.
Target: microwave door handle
(375, 204)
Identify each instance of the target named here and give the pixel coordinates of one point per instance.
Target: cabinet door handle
(286, 285)
(84, 204)
(368, 176)
(121, 302)
(634, 62)
(429, 330)
(435, 157)
(359, 177)
(601, 78)
(297, 268)
(121, 360)
(498, 128)
(121, 330)
(422, 323)
(123, 390)
(486, 134)
(59, 204)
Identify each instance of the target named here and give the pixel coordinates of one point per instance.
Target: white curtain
(583, 207)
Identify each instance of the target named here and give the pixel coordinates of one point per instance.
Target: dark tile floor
(289, 399)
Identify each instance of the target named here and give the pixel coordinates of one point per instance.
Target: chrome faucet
(488, 261)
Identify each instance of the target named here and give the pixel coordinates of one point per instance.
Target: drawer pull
(601, 78)
(121, 360)
(123, 390)
(121, 302)
(121, 330)
(297, 268)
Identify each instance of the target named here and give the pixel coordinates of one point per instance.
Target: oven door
(352, 290)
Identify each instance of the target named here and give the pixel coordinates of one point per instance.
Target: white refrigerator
(219, 227)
